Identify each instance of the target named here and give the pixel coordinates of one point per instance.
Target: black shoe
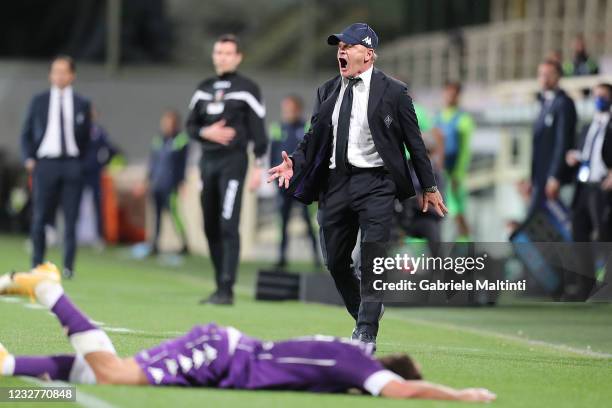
(68, 273)
(218, 298)
(365, 338)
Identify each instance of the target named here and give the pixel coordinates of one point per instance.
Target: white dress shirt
(51, 145)
(596, 135)
(361, 150)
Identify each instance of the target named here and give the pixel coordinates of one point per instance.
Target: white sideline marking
(490, 333)
(82, 398)
(35, 306)
(10, 299)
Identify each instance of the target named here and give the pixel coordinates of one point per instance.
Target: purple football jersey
(215, 356)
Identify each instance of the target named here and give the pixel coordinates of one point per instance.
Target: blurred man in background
(286, 136)
(166, 174)
(590, 205)
(55, 136)
(98, 155)
(581, 63)
(227, 113)
(553, 135)
(457, 127)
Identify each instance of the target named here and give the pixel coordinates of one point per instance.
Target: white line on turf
(82, 398)
(490, 333)
(10, 299)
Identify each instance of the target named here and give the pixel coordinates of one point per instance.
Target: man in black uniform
(226, 113)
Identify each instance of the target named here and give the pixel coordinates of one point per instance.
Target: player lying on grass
(215, 356)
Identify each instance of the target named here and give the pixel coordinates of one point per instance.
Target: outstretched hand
(283, 172)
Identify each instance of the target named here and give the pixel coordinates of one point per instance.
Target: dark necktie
(344, 120)
(62, 130)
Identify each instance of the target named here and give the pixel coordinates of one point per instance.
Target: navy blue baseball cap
(357, 33)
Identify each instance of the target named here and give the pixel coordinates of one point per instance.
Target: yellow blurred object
(24, 283)
(3, 353)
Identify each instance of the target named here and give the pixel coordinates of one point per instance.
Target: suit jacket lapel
(327, 106)
(378, 84)
(45, 108)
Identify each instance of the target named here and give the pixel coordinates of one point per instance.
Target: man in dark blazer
(352, 160)
(55, 136)
(592, 165)
(553, 135)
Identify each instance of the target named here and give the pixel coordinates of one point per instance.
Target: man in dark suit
(553, 135)
(352, 160)
(591, 206)
(55, 135)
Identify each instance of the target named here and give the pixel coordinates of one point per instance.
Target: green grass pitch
(531, 355)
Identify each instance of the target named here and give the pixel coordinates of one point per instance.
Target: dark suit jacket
(606, 150)
(554, 132)
(35, 124)
(393, 124)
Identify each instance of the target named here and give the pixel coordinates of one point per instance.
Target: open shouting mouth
(343, 63)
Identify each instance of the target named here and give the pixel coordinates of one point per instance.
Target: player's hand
(29, 165)
(552, 188)
(572, 157)
(218, 133)
(435, 200)
(255, 178)
(476, 395)
(283, 172)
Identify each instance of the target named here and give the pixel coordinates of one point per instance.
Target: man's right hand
(29, 165)
(283, 172)
(218, 133)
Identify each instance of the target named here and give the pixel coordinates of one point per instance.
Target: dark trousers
(362, 201)
(93, 181)
(55, 181)
(164, 200)
(286, 204)
(223, 179)
(588, 218)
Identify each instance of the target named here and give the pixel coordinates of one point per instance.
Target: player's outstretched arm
(426, 390)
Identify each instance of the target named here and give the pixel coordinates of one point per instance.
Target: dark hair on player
(553, 64)
(453, 84)
(66, 58)
(295, 99)
(231, 38)
(607, 86)
(402, 365)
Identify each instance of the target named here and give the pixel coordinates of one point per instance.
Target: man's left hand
(434, 199)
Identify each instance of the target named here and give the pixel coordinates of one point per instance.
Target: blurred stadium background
(138, 57)
(149, 55)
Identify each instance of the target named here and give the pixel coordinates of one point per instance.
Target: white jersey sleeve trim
(258, 108)
(233, 337)
(377, 381)
(199, 96)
